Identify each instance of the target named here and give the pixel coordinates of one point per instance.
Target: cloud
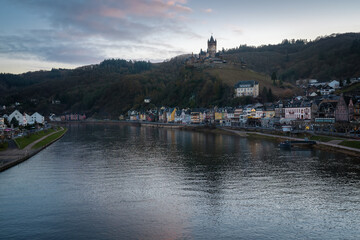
(236, 29)
(208, 10)
(82, 31)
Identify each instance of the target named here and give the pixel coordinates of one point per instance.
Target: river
(127, 182)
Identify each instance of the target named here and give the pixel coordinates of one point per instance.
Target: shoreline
(325, 146)
(22, 155)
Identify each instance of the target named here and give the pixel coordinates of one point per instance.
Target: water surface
(126, 182)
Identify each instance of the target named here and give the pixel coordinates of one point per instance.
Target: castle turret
(212, 47)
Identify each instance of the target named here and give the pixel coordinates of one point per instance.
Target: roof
(212, 40)
(243, 84)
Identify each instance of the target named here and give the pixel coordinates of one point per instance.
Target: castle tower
(211, 47)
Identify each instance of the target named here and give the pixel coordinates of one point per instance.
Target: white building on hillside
(334, 84)
(247, 88)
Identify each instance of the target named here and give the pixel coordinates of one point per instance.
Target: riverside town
(223, 140)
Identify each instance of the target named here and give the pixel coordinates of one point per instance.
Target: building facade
(247, 88)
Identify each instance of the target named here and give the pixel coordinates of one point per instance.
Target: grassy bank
(49, 139)
(352, 144)
(323, 138)
(24, 141)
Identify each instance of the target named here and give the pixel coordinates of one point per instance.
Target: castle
(210, 56)
(211, 47)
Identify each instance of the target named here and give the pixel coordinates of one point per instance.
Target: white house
(36, 118)
(334, 84)
(327, 90)
(18, 116)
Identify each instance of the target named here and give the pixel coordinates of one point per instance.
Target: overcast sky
(45, 34)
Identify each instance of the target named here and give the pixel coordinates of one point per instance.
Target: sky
(44, 34)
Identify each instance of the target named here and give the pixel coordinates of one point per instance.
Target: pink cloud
(143, 8)
(208, 10)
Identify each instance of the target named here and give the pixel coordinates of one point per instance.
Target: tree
(270, 96)
(14, 122)
(264, 94)
(273, 78)
(348, 82)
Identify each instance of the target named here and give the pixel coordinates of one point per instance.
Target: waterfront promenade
(13, 155)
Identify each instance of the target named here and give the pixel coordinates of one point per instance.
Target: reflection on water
(126, 182)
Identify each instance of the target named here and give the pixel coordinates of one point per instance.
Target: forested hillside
(115, 86)
(332, 57)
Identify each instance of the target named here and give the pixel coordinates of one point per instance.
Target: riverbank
(14, 156)
(332, 145)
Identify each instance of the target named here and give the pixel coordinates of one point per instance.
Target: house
(334, 84)
(341, 111)
(170, 115)
(21, 119)
(186, 116)
(351, 110)
(219, 116)
(357, 111)
(195, 117)
(279, 110)
(2, 124)
(298, 111)
(162, 115)
(36, 118)
(269, 111)
(178, 116)
(247, 88)
(325, 111)
(133, 115)
(313, 81)
(326, 90)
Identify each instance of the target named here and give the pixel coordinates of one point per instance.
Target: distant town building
(2, 124)
(247, 88)
(341, 110)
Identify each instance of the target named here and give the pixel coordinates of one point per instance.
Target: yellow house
(218, 116)
(172, 116)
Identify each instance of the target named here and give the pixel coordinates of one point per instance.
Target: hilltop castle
(210, 56)
(211, 47)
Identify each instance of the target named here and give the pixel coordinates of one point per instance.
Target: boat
(285, 145)
(288, 144)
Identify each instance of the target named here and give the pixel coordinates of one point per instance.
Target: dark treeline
(113, 87)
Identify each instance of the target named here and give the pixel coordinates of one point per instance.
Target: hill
(115, 86)
(331, 57)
